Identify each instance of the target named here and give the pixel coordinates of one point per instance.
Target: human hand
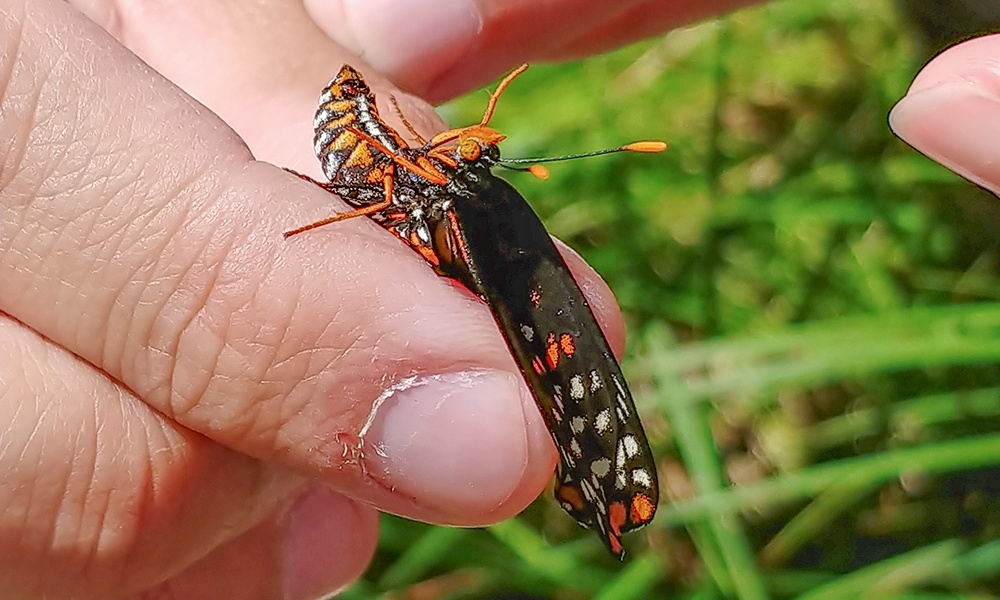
(951, 112)
(183, 388)
(438, 49)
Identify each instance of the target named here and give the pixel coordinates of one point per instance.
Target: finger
(440, 49)
(601, 299)
(141, 238)
(263, 79)
(643, 20)
(103, 490)
(310, 550)
(256, 60)
(242, 73)
(260, 66)
(951, 112)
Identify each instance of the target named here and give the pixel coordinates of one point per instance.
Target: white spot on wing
(630, 445)
(576, 387)
(602, 422)
(618, 385)
(569, 460)
(596, 382)
(527, 332)
(600, 467)
(577, 423)
(575, 448)
(620, 469)
(641, 477)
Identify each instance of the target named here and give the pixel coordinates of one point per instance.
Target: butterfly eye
(470, 150)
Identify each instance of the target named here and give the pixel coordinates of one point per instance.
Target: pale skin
(186, 392)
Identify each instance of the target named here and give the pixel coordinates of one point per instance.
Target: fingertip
(411, 42)
(951, 112)
(972, 59)
(319, 544)
(327, 544)
(470, 448)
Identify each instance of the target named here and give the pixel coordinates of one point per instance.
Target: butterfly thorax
(422, 204)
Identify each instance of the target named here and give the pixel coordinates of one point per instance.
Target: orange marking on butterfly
(567, 345)
(342, 121)
(428, 253)
(616, 518)
(361, 156)
(375, 175)
(552, 351)
(642, 509)
(536, 363)
(571, 495)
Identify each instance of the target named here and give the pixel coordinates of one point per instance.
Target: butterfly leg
(358, 212)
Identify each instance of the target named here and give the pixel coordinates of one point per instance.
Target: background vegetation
(814, 315)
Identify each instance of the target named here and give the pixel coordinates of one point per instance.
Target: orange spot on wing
(616, 546)
(567, 345)
(552, 351)
(616, 518)
(571, 495)
(642, 510)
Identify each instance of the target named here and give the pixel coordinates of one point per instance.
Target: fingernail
(955, 123)
(456, 442)
(399, 35)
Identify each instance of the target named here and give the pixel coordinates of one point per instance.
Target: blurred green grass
(814, 323)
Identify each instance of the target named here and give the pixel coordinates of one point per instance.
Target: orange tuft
(539, 171)
(646, 147)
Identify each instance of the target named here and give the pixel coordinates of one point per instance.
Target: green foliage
(813, 313)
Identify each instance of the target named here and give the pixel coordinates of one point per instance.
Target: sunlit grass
(814, 323)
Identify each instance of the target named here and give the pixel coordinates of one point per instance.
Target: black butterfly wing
(496, 246)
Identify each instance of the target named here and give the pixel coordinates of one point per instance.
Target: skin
(950, 113)
(193, 403)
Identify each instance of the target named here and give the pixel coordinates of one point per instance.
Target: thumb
(141, 236)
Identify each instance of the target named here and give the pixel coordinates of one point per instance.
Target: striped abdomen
(354, 169)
